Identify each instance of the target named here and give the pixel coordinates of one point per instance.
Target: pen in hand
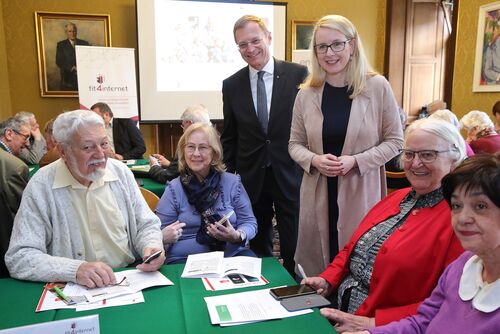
(301, 271)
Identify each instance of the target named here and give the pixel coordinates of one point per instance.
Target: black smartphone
(251, 279)
(152, 256)
(291, 291)
(235, 278)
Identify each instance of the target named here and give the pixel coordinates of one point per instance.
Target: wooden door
(418, 37)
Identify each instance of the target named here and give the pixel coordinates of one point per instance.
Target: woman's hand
(172, 232)
(347, 322)
(224, 232)
(348, 163)
(319, 284)
(327, 164)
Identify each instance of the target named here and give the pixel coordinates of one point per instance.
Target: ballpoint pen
(301, 271)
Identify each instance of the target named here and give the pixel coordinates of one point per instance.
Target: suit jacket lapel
(279, 80)
(358, 111)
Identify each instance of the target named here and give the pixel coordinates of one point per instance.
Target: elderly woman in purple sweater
(195, 204)
(467, 297)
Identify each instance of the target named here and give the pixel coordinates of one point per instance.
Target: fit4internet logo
(101, 87)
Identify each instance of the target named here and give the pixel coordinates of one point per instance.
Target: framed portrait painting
(487, 60)
(56, 36)
(302, 34)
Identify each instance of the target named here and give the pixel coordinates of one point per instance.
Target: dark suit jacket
(65, 60)
(128, 139)
(245, 144)
(163, 175)
(13, 180)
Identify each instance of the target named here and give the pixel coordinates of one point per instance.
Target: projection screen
(186, 49)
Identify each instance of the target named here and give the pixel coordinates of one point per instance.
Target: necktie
(262, 113)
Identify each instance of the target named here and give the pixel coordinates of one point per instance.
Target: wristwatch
(243, 235)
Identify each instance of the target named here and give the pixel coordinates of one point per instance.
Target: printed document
(246, 307)
(214, 264)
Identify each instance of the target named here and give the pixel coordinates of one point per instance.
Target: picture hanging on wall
(302, 34)
(487, 61)
(56, 37)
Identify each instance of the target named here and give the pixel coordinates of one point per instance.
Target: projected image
(197, 38)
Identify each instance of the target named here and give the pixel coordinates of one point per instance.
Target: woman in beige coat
(345, 127)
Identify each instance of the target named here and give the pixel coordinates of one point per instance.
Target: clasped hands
(344, 321)
(99, 274)
(331, 165)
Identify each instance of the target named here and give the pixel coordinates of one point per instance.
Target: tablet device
(304, 302)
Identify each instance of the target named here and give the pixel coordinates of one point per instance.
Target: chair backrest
(395, 181)
(150, 198)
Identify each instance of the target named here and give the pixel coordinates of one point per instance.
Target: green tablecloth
(172, 309)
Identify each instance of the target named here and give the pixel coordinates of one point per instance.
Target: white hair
(476, 119)
(68, 123)
(446, 115)
(196, 114)
(24, 116)
(443, 130)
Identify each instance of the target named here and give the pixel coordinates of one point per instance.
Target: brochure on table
(128, 292)
(246, 307)
(234, 281)
(214, 264)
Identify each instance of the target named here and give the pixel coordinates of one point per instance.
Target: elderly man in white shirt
(82, 215)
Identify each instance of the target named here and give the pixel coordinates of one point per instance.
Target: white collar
(485, 296)
(268, 68)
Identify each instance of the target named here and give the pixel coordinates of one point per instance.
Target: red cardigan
(408, 264)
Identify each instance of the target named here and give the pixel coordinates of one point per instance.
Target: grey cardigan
(46, 244)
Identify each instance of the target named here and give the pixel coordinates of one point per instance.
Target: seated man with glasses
(14, 136)
(82, 215)
(38, 145)
(405, 241)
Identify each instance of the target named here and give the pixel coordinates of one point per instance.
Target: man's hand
(153, 265)
(347, 322)
(319, 284)
(172, 232)
(164, 162)
(95, 275)
(118, 156)
(36, 134)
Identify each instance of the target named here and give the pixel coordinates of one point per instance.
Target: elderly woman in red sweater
(396, 256)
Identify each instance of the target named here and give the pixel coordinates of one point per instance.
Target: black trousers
(273, 201)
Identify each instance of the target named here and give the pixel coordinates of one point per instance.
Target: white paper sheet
(214, 264)
(246, 307)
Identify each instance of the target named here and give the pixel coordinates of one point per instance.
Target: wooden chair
(150, 198)
(395, 181)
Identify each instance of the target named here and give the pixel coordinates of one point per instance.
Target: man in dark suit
(14, 136)
(258, 103)
(66, 58)
(125, 139)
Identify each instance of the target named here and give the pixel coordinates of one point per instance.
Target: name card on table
(87, 325)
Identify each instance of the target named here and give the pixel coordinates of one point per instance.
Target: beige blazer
(374, 136)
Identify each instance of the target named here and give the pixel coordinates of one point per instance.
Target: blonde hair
(358, 67)
(213, 142)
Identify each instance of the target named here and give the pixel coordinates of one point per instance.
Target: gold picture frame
(486, 73)
(302, 34)
(56, 62)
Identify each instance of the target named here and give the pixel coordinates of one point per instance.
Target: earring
(350, 57)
